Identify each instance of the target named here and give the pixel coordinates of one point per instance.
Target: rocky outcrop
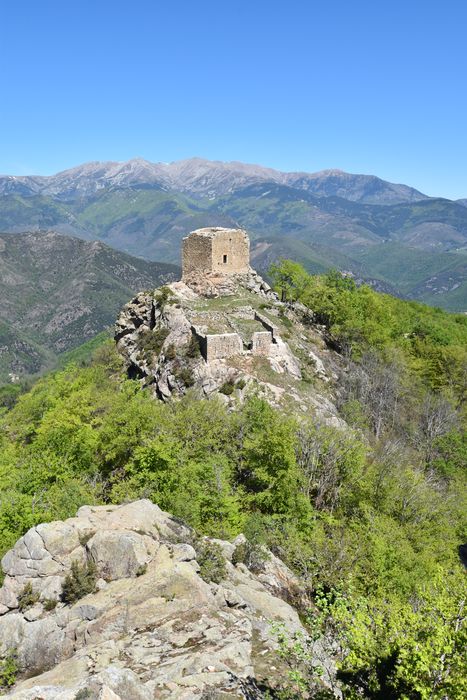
(228, 336)
(213, 285)
(152, 627)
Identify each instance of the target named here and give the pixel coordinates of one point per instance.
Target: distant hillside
(391, 234)
(58, 292)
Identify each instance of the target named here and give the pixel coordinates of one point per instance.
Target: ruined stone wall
(221, 346)
(266, 323)
(231, 252)
(261, 343)
(219, 250)
(196, 254)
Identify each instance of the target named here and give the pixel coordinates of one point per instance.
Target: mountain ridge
(206, 178)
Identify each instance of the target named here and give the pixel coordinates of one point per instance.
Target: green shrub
(252, 554)
(307, 377)
(171, 352)
(83, 694)
(27, 598)
(227, 387)
(142, 570)
(211, 561)
(150, 342)
(185, 375)
(300, 677)
(8, 669)
(241, 384)
(164, 296)
(50, 604)
(9, 395)
(80, 582)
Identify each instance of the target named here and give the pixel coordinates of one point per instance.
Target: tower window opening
(224, 259)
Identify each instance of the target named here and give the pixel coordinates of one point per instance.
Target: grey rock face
(155, 629)
(119, 553)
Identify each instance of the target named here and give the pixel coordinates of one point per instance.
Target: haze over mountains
(391, 234)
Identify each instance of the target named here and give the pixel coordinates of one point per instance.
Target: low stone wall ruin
(222, 346)
(219, 346)
(268, 325)
(261, 343)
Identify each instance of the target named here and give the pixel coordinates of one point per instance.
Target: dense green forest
(370, 517)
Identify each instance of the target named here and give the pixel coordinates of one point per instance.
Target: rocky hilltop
(125, 603)
(227, 337)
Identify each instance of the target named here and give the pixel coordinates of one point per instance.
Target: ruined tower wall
(230, 252)
(216, 250)
(196, 254)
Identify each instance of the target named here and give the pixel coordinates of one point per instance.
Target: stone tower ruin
(222, 251)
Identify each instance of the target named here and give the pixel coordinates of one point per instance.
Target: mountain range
(391, 235)
(204, 178)
(59, 292)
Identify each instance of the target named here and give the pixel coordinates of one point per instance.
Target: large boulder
(120, 553)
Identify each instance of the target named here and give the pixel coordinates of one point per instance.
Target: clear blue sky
(375, 87)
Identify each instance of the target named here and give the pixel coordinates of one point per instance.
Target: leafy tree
(412, 650)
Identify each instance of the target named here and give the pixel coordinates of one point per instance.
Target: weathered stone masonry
(223, 251)
(220, 346)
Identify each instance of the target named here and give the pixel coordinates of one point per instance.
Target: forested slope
(59, 292)
(370, 517)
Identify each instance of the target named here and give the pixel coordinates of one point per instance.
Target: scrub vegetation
(370, 517)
